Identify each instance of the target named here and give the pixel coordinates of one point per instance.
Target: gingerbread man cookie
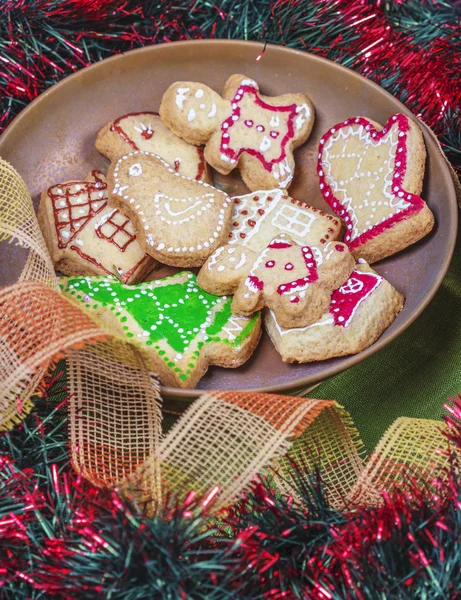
(372, 176)
(178, 221)
(242, 128)
(294, 281)
(181, 328)
(360, 311)
(86, 236)
(256, 220)
(146, 131)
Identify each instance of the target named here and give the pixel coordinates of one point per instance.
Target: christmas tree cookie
(146, 131)
(242, 128)
(360, 311)
(372, 176)
(182, 328)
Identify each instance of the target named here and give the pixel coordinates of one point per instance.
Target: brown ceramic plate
(52, 140)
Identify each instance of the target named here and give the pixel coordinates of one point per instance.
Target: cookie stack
(264, 251)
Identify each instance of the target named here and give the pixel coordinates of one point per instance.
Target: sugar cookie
(360, 311)
(86, 236)
(177, 220)
(257, 219)
(242, 128)
(146, 131)
(372, 176)
(181, 328)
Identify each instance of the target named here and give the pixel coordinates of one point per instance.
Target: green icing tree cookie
(183, 328)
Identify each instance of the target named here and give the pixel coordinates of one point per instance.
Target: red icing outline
(310, 278)
(254, 280)
(123, 276)
(235, 154)
(117, 128)
(88, 187)
(348, 303)
(110, 239)
(416, 203)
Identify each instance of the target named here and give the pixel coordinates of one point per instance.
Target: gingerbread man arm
(249, 296)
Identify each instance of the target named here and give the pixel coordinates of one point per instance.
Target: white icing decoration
(205, 199)
(266, 143)
(135, 171)
(212, 111)
(282, 169)
(275, 121)
(191, 115)
(199, 93)
(181, 95)
(337, 148)
(304, 113)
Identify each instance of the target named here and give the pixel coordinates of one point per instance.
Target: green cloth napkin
(413, 376)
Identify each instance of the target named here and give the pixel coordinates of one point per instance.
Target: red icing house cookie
(242, 128)
(372, 176)
(85, 236)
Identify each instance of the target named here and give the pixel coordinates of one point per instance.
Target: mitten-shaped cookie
(242, 128)
(146, 131)
(372, 176)
(178, 221)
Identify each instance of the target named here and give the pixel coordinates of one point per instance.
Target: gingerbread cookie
(372, 176)
(177, 220)
(257, 219)
(294, 281)
(86, 236)
(242, 129)
(360, 311)
(182, 329)
(146, 131)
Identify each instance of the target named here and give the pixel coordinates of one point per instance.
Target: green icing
(176, 312)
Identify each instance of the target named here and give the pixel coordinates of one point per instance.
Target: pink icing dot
(260, 128)
(288, 267)
(339, 248)
(249, 123)
(274, 134)
(294, 300)
(270, 264)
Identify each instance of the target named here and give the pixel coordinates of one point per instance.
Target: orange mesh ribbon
(218, 445)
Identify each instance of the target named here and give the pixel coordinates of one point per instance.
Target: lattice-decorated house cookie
(177, 220)
(294, 281)
(242, 128)
(360, 311)
(182, 328)
(86, 236)
(372, 176)
(146, 131)
(258, 218)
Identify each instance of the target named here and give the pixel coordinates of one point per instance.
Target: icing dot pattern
(171, 316)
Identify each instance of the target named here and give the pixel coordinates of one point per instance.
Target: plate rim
(451, 200)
